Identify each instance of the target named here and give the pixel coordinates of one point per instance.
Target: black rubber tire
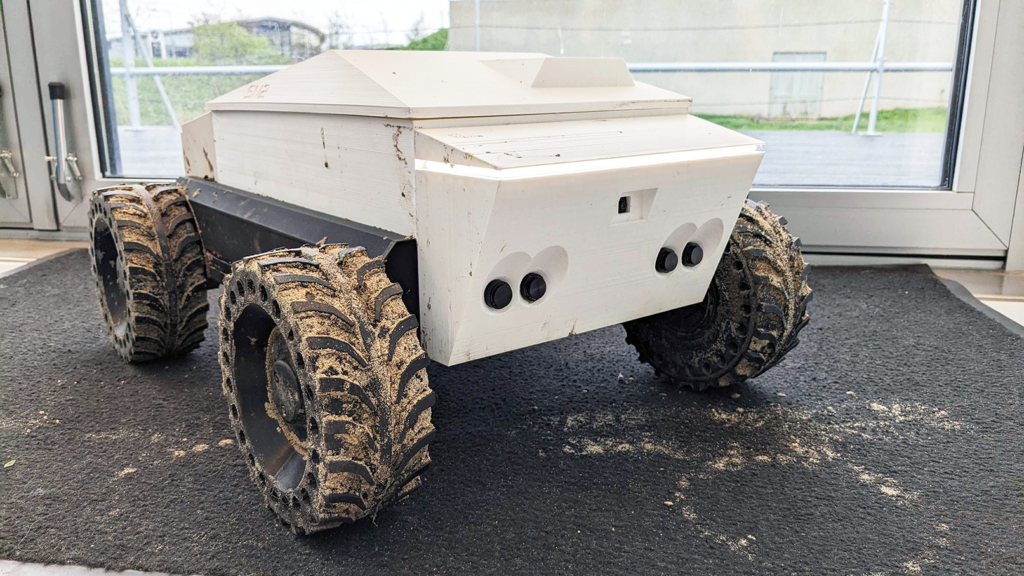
(749, 319)
(359, 439)
(150, 270)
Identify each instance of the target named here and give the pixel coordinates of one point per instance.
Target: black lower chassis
(234, 224)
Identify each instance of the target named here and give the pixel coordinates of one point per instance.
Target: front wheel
(749, 318)
(326, 383)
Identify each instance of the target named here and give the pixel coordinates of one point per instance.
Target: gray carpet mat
(889, 441)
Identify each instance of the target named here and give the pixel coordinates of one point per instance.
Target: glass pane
(843, 93)
(235, 42)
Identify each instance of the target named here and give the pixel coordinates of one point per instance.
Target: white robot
(367, 212)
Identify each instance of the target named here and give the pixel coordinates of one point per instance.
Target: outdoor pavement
(826, 158)
(793, 158)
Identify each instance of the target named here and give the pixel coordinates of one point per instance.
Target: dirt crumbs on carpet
(888, 442)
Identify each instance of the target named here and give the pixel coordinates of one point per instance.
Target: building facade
(294, 40)
(735, 31)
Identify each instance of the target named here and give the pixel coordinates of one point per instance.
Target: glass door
(14, 207)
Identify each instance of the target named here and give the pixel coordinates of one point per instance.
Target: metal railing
(790, 67)
(198, 71)
(875, 68)
(645, 67)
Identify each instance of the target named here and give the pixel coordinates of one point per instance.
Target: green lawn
(897, 120)
(189, 95)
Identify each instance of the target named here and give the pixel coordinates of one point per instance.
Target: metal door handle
(8, 160)
(62, 160)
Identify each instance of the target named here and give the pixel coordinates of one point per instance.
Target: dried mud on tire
(150, 270)
(360, 439)
(750, 318)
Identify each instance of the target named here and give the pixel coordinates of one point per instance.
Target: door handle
(62, 162)
(8, 160)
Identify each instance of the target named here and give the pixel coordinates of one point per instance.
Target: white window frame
(976, 217)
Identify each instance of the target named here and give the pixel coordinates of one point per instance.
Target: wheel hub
(696, 318)
(285, 388)
(283, 383)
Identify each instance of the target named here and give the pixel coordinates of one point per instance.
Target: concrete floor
(1004, 292)
(15, 253)
(1001, 291)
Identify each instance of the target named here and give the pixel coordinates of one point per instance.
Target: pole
(476, 25)
(156, 79)
(873, 119)
(129, 65)
(867, 82)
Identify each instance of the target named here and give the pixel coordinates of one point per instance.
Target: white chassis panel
(475, 225)
(353, 167)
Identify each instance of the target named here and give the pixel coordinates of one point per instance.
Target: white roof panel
(422, 84)
(542, 143)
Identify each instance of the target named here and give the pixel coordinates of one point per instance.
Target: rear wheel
(326, 383)
(749, 318)
(150, 270)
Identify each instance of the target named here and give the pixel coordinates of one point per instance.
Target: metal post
(128, 48)
(156, 79)
(476, 25)
(867, 82)
(881, 68)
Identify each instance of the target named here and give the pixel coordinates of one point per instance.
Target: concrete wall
(730, 30)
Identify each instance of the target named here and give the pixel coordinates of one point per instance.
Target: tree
(414, 32)
(229, 43)
(436, 41)
(339, 33)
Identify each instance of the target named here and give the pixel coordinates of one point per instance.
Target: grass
(189, 95)
(896, 120)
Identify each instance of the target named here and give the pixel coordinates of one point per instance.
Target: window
(157, 63)
(843, 93)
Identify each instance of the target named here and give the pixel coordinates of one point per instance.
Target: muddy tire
(149, 267)
(326, 383)
(749, 319)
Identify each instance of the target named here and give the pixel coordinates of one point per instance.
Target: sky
(372, 21)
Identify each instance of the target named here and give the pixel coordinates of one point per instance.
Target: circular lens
(667, 260)
(498, 294)
(692, 254)
(533, 287)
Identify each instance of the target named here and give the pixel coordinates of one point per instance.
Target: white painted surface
(351, 167)
(979, 72)
(919, 230)
(423, 84)
(599, 266)
(546, 143)
(198, 147)
(1002, 144)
